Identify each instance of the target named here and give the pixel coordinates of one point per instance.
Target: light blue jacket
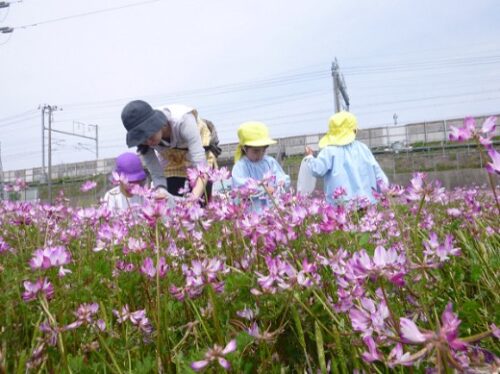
(245, 169)
(351, 166)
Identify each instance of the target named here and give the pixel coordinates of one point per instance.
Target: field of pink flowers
(410, 284)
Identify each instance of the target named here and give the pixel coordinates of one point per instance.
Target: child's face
(255, 154)
(127, 190)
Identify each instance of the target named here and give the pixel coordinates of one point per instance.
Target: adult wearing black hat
(169, 140)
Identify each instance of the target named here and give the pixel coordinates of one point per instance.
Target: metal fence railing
(415, 137)
(427, 159)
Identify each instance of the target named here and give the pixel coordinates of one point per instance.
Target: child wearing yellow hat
(251, 161)
(344, 162)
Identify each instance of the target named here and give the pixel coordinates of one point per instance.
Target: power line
(13, 122)
(85, 14)
(459, 61)
(216, 90)
(421, 106)
(359, 108)
(281, 80)
(430, 98)
(263, 102)
(18, 115)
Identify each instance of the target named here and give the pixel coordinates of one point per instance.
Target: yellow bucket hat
(341, 128)
(253, 134)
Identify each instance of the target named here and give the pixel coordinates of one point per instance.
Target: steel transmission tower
(47, 110)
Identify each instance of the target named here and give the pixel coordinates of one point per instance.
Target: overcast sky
(235, 60)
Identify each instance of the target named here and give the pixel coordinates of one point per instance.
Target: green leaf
(319, 346)
(147, 365)
(475, 272)
(21, 366)
(364, 239)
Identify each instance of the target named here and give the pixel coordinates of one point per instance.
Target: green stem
(477, 337)
(53, 322)
(311, 313)
(158, 307)
(396, 325)
(420, 207)
(110, 353)
(328, 309)
(288, 303)
(215, 316)
(301, 336)
(201, 321)
(339, 351)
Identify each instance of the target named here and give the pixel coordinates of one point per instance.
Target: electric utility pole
(49, 109)
(339, 89)
(44, 175)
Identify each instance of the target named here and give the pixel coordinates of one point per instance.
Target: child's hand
(160, 194)
(309, 151)
(269, 189)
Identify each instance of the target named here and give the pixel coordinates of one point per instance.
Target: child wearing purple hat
(129, 167)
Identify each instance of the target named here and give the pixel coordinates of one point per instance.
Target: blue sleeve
(379, 173)
(321, 164)
(281, 176)
(239, 175)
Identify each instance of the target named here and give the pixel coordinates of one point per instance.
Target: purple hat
(129, 164)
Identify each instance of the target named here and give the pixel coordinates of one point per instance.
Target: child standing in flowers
(252, 164)
(129, 170)
(348, 167)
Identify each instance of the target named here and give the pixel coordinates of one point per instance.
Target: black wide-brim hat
(141, 121)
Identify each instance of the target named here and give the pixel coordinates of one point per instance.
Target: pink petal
(396, 352)
(379, 257)
(372, 354)
(410, 331)
(485, 141)
(224, 363)
(458, 345)
(495, 331)
(230, 347)
(489, 125)
(470, 123)
(198, 365)
(490, 169)
(101, 325)
(368, 304)
(359, 319)
(73, 325)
